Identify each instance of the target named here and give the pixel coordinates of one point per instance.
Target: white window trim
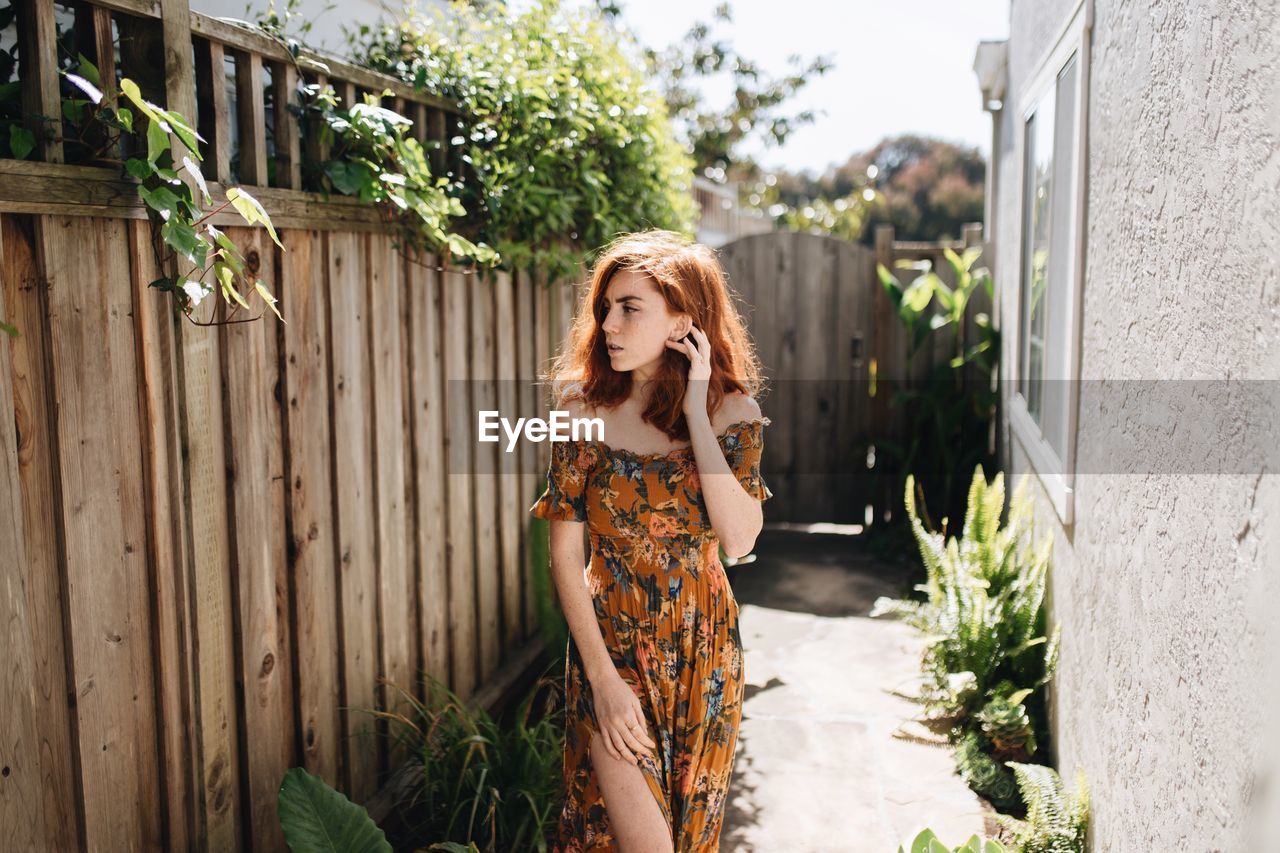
(1056, 475)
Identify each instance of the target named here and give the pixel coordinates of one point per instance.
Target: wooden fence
(217, 540)
(826, 331)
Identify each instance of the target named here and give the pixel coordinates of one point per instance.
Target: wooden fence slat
(527, 397)
(308, 439)
(214, 112)
(427, 389)
(856, 277)
(38, 64)
(166, 545)
(251, 119)
(507, 334)
(21, 798)
(255, 469)
(22, 283)
(463, 636)
(816, 440)
(99, 460)
(397, 595)
(353, 394)
(287, 138)
(777, 260)
(484, 481)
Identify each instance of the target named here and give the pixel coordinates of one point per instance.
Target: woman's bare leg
(634, 814)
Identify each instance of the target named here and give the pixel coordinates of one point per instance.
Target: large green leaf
(317, 818)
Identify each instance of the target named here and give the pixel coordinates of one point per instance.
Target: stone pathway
(817, 766)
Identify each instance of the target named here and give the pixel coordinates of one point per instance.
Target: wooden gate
(831, 348)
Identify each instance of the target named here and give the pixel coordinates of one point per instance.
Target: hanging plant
(205, 257)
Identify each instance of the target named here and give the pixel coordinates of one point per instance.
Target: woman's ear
(682, 327)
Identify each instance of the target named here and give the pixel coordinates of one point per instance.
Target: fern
(1056, 821)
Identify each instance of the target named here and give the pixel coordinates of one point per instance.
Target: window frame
(1057, 475)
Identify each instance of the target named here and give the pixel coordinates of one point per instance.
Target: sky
(903, 66)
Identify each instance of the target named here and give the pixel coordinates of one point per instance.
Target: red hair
(691, 280)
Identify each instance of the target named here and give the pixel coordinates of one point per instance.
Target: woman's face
(637, 323)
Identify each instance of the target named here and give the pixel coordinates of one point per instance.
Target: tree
(757, 107)
(925, 187)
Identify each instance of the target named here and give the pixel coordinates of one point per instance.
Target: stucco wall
(1166, 583)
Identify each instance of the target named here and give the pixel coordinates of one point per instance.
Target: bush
(567, 143)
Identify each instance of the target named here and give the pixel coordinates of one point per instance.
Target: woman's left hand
(698, 350)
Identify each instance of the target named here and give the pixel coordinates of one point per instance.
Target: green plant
(315, 817)
(566, 143)
(927, 842)
(181, 221)
(476, 781)
(374, 161)
(984, 774)
(983, 616)
(947, 413)
(1056, 821)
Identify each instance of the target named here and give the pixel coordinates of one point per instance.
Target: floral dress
(669, 620)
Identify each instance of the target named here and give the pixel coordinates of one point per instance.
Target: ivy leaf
(267, 297)
(195, 290)
(125, 116)
(88, 70)
(249, 208)
(184, 240)
(94, 93)
(348, 178)
(133, 93)
(21, 141)
(178, 124)
(139, 169)
(11, 331)
(198, 177)
(225, 277)
(157, 140)
(162, 200)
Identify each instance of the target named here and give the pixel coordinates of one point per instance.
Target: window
(1052, 134)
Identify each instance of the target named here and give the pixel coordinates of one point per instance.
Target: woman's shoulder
(734, 408)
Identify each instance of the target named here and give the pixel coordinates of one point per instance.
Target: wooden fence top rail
(239, 36)
(235, 34)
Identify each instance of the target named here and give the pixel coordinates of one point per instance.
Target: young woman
(654, 674)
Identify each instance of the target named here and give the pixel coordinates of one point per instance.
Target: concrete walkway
(817, 766)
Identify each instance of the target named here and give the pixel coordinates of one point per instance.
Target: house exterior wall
(1163, 585)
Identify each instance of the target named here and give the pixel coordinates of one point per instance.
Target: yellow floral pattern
(669, 620)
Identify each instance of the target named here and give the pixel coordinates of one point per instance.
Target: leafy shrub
(1056, 821)
(567, 143)
(476, 781)
(987, 654)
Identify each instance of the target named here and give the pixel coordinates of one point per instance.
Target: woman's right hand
(621, 718)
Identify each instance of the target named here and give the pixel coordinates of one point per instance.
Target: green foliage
(566, 143)
(372, 160)
(205, 258)
(927, 842)
(476, 781)
(946, 415)
(756, 104)
(926, 188)
(984, 774)
(317, 819)
(1056, 821)
(987, 656)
